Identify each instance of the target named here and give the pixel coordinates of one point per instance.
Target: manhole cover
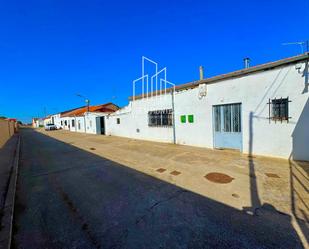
(161, 170)
(175, 173)
(92, 148)
(272, 175)
(219, 177)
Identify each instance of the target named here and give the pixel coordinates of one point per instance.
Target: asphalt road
(71, 198)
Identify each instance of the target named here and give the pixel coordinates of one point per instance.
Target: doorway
(227, 126)
(102, 125)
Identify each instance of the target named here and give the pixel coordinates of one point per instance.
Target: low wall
(7, 129)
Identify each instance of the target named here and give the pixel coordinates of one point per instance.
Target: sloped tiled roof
(107, 108)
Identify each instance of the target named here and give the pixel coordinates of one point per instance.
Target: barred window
(280, 109)
(160, 118)
(73, 123)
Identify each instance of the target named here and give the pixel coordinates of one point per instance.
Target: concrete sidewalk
(258, 183)
(256, 180)
(7, 153)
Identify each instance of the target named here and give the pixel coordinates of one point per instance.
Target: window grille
(279, 109)
(160, 118)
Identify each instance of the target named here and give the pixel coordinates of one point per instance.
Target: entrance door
(227, 126)
(102, 125)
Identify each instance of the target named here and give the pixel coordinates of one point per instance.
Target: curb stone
(8, 211)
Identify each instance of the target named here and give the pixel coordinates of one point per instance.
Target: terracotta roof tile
(107, 108)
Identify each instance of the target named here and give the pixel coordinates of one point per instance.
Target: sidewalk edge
(8, 211)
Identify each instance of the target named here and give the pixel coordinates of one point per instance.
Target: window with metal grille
(73, 123)
(236, 115)
(227, 118)
(160, 118)
(118, 120)
(279, 109)
(217, 113)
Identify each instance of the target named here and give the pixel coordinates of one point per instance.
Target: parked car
(50, 127)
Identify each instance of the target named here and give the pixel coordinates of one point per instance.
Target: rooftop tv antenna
(304, 45)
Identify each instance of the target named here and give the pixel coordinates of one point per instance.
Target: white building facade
(262, 110)
(82, 120)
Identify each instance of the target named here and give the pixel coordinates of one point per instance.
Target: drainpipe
(173, 113)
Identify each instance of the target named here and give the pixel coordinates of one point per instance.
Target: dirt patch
(235, 195)
(219, 178)
(92, 148)
(175, 173)
(161, 170)
(272, 175)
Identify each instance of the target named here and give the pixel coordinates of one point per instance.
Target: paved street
(70, 197)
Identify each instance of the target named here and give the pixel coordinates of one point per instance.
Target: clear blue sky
(52, 49)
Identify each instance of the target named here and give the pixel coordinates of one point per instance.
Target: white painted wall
(93, 122)
(38, 123)
(134, 120)
(57, 120)
(253, 91)
(47, 121)
(88, 123)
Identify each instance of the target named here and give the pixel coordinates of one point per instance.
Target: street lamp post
(88, 103)
(86, 100)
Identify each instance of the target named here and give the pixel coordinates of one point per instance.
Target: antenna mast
(303, 44)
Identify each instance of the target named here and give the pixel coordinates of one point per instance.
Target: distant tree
(2, 117)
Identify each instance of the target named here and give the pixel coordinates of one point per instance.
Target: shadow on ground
(7, 152)
(71, 198)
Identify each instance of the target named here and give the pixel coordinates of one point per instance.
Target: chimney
(247, 62)
(201, 72)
